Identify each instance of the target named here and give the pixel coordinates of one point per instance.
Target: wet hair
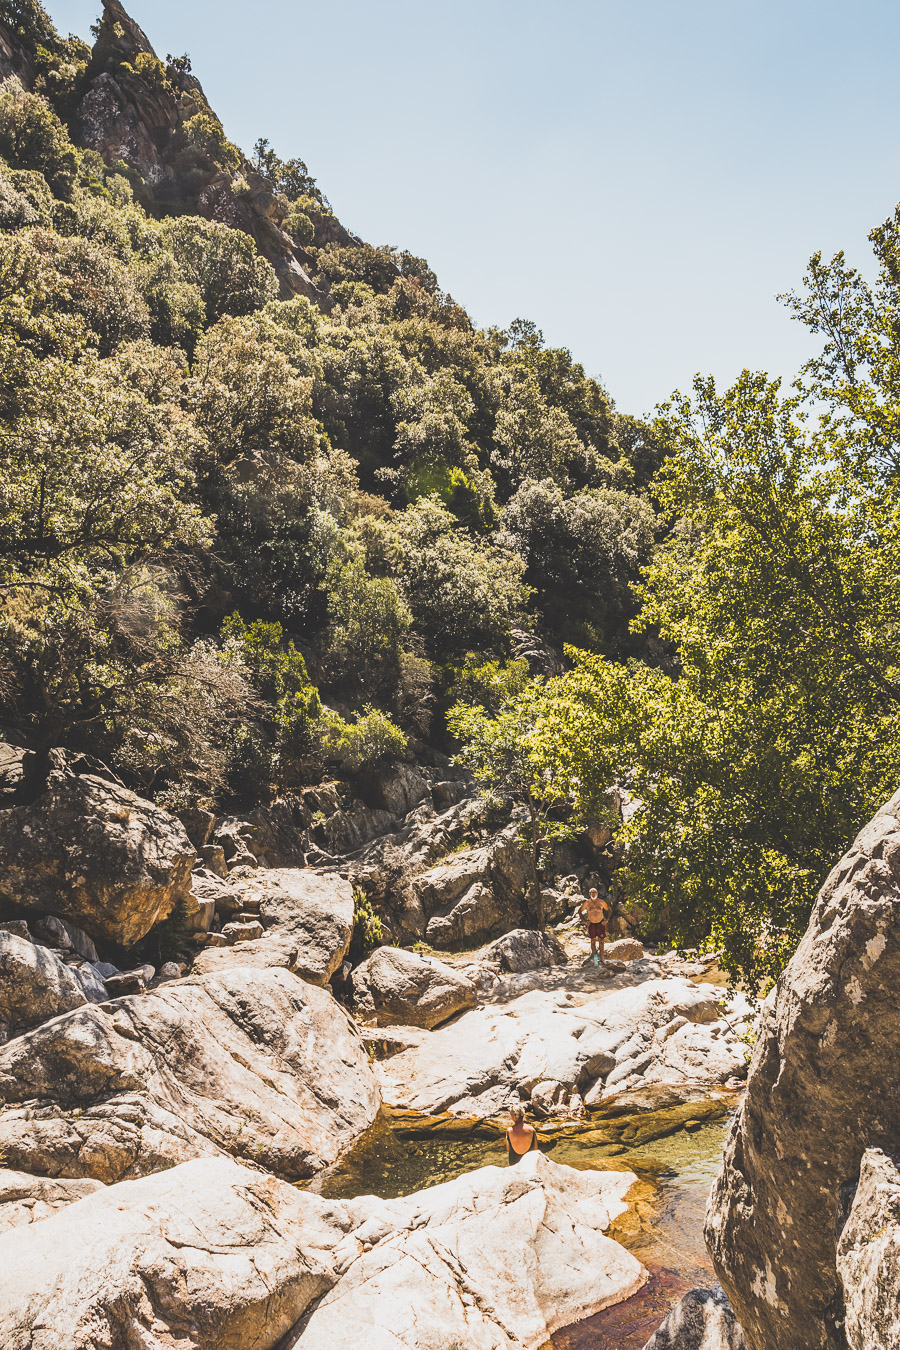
(517, 1113)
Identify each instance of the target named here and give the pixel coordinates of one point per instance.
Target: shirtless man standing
(594, 912)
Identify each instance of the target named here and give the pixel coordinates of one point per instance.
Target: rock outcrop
(36, 985)
(499, 1257)
(206, 1256)
(702, 1320)
(89, 850)
(211, 1255)
(26, 1199)
(869, 1257)
(255, 1063)
(307, 920)
(396, 987)
(543, 1045)
(824, 1086)
(475, 893)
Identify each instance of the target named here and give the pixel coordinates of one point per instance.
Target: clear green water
(664, 1226)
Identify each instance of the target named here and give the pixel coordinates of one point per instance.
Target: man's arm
(582, 911)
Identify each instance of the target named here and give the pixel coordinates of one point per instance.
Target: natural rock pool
(663, 1226)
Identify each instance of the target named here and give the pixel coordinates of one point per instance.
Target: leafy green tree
(777, 739)
(290, 177)
(464, 593)
(584, 554)
(369, 621)
(95, 463)
(223, 263)
(507, 753)
(32, 137)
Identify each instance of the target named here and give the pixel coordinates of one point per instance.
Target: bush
(204, 132)
(371, 740)
(278, 673)
(368, 622)
(223, 263)
(299, 226)
(486, 683)
(32, 137)
(464, 593)
(367, 931)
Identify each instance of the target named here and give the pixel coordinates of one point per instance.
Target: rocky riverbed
(275, 1144)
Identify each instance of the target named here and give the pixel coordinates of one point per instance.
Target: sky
(639, 178)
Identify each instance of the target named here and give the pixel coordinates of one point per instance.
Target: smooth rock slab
(26, 1199)
(402, 988)
(501, 1257)
(206, 1256)
(499, 1053)
(213, 1256)
(869, 1257)
(824, 1085)
(255, 1063)
(701, 1320)
(308, 921)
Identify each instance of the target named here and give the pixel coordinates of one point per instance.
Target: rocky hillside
(120, 101)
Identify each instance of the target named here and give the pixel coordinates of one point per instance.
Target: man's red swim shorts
(597, 930)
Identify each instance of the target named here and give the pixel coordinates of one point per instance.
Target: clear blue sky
(639, 178)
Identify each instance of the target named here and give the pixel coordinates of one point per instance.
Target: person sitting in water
(594, 913)
(520, 1138)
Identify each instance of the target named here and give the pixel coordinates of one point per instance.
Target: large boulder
(869, 1257)
(824, 1085)
(89, 850)
(701, 1320)
(401, 988)
(474, 893)
(255, 1063)
(271, 834)
(307, 917)
(34, 985)
(498, 1257)
(526, 949)
(26, 1199)
(206, 1256)
(666, 1032)
(213, 1256)
(396, 789)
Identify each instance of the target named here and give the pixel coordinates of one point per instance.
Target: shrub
(486, 683)
(367, 930)
(299, 226)
(371, 740)
(33, 137)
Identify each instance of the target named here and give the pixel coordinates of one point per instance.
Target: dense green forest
(272, 507)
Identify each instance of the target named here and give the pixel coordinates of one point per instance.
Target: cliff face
(824, 1087)
(129, 106)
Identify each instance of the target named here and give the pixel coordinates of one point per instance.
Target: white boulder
(212, 1255)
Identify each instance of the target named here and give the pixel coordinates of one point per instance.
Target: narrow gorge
(346, 648)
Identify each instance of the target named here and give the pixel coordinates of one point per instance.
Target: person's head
(518, 1114)
(593, 892)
